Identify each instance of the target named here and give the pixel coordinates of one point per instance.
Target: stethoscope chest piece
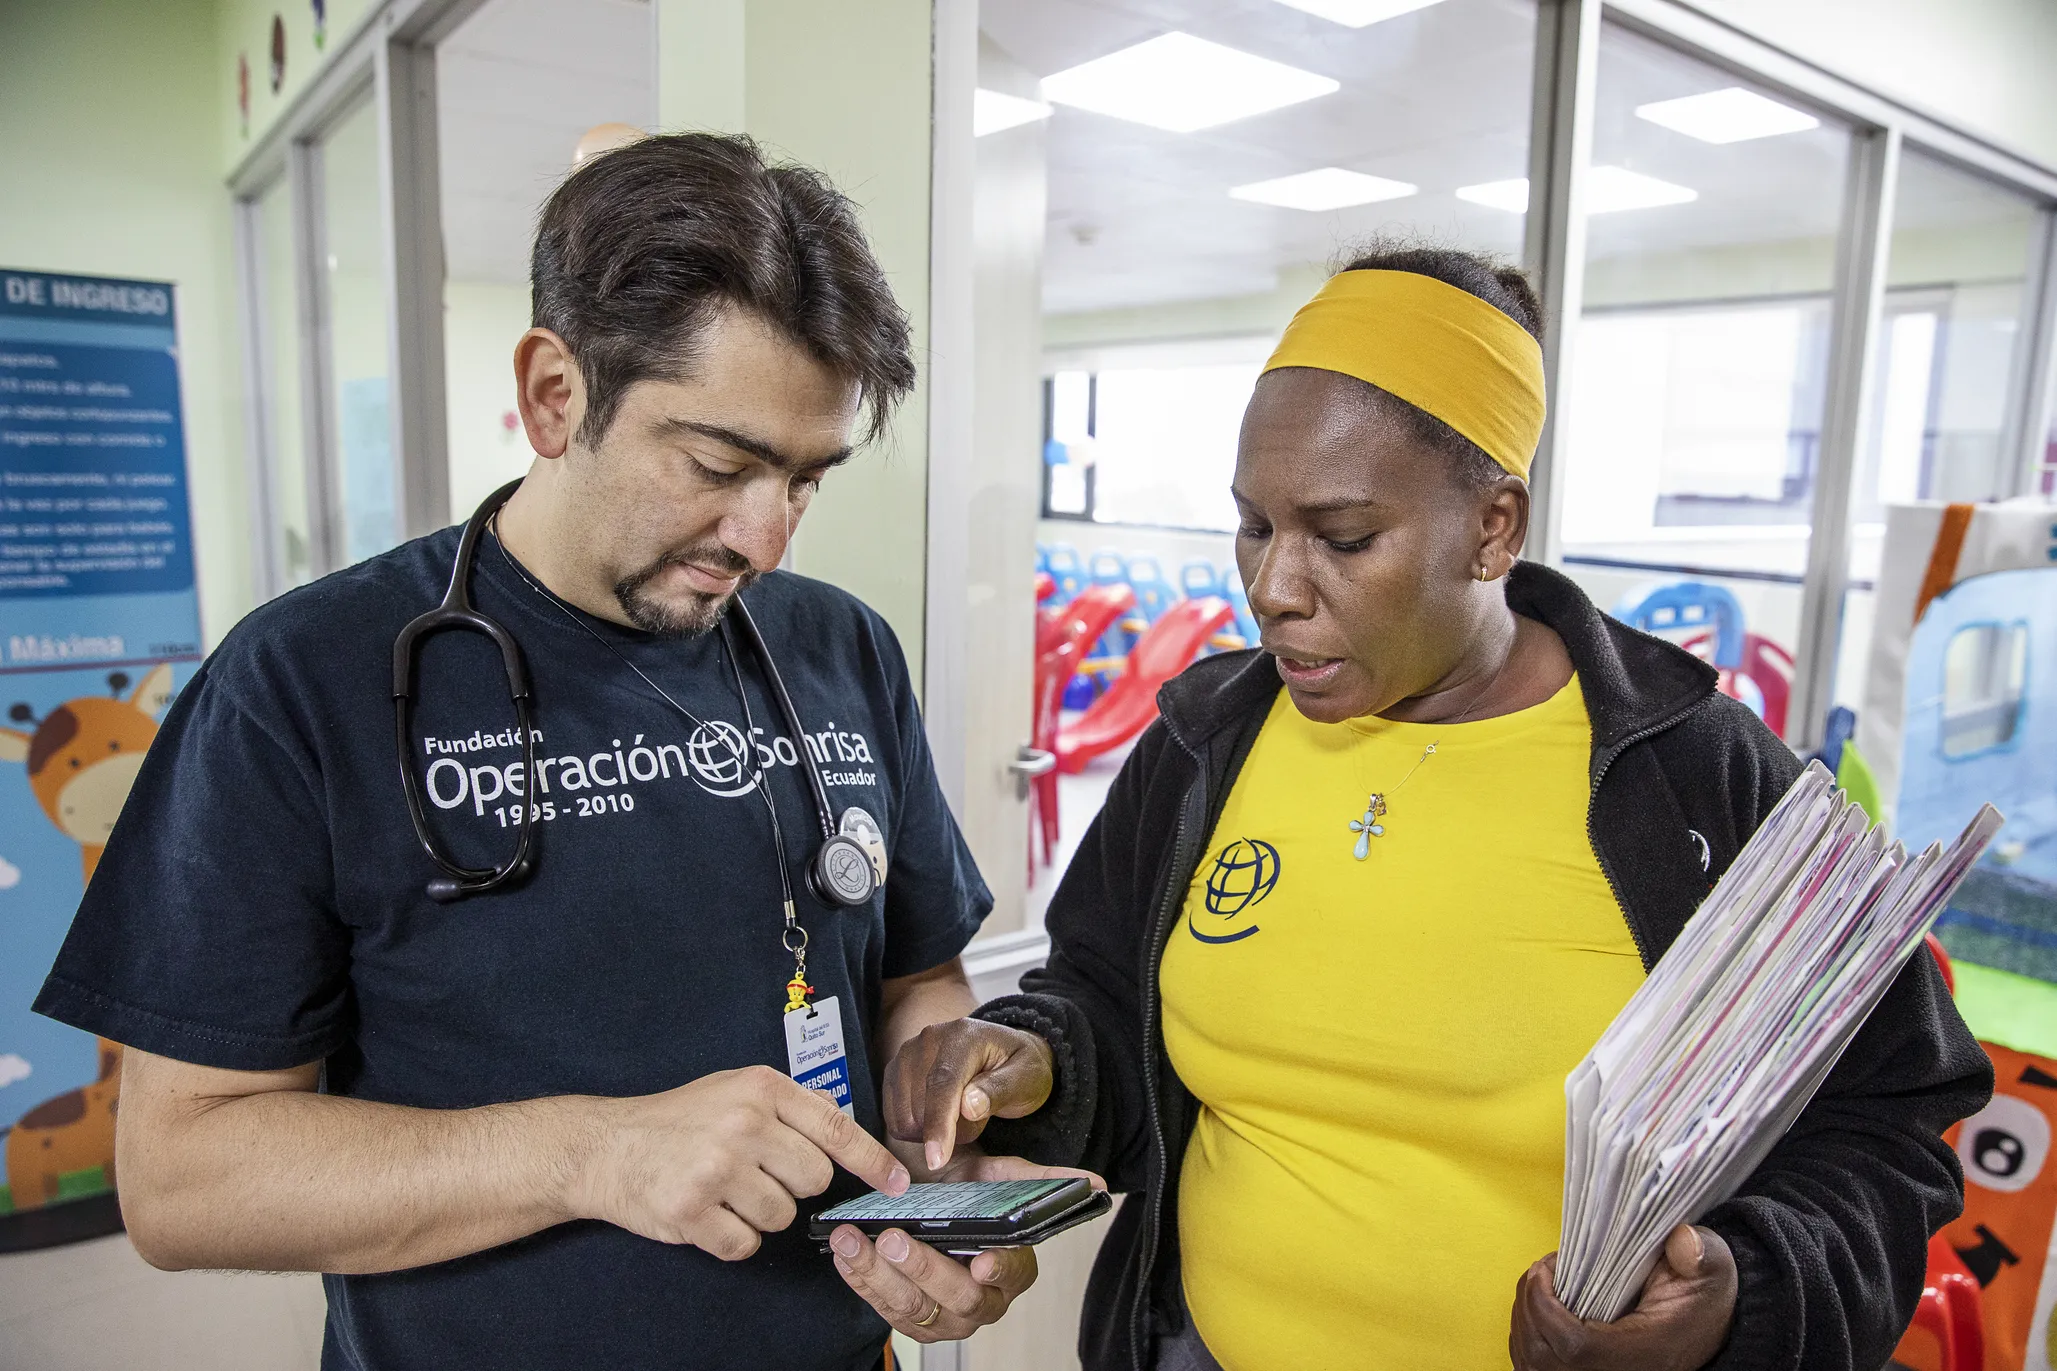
(841, 874)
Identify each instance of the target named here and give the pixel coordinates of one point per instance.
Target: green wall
(846, 88)
(112, 166)
(242, 28)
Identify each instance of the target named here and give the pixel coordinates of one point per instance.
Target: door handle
(1029, 763)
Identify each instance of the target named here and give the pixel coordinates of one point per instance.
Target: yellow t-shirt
(1379, 1046)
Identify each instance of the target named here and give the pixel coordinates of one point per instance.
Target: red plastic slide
(1082, 621)
(1165, 649)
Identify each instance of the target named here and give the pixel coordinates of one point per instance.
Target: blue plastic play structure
(1981, 725)
(1674, 605)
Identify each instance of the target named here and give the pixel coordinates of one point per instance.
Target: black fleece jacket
(1830, 1232)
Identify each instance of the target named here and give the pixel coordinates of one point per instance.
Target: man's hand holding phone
(940, 1090)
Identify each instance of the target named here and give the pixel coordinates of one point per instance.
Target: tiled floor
(96, 1305)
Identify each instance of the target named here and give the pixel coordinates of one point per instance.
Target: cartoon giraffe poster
(79, 759)
(99, 626)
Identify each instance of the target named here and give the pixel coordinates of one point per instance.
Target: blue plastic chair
(1042, 558)
(1673, 605)
(1109, 568)
(1246, 622)
(1200, 577)
(1154, 594)
(1062, 562)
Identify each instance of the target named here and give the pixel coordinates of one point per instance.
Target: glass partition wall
(1183, 172)
(289, 533)
(355, 324)
(1185, 175)
(318, 317)
(1949, 361)
(518, 84)
(1206, 166)
(1695, 405)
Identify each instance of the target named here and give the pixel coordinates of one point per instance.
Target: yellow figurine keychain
(795, 939)
(797, 991)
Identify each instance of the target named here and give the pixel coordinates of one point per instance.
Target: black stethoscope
(840, 875)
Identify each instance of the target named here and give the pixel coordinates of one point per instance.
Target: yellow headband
(1441, 349)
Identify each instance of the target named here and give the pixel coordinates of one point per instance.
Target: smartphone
(970, 1216)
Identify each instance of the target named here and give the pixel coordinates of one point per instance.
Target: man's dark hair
(1503, 287)
(641, 246)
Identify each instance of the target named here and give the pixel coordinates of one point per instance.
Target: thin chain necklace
(1369, 827)
(1375, 806)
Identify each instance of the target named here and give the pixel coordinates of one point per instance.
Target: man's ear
(549, 391)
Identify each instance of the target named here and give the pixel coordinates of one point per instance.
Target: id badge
(814, 1051)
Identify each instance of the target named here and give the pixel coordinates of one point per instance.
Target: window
(1984, 669)
(1182, 213)
(1150, 437)
(1699, 380)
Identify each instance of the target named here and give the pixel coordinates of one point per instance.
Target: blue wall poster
(99, 626)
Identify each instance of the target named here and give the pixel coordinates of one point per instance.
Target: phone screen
(946, 1200)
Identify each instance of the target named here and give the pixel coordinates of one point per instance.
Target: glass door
(355, 324)
(288, 522)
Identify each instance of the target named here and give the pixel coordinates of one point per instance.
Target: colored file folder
(1714, 1057)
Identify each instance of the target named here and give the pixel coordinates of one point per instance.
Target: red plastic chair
(1951, 1309)
(1765, 667)
(1063, 635)
(1129, 705)
(1054, 670)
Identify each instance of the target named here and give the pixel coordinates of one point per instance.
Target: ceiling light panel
(1325, 188)
(1358, 14)
(1608, 190)
(991, 111)
(1732, 115)
(1181, 84)
(1511, 196)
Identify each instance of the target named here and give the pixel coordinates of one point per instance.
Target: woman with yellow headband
(1320, 967)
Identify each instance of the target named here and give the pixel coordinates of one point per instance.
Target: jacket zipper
(1593, 839)
(1167, 916)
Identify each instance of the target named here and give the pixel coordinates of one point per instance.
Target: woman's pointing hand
(950, 1079)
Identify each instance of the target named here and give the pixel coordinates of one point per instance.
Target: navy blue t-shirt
(261, 905)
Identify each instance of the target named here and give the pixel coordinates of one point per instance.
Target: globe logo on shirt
(716, 752)
(1244, 873)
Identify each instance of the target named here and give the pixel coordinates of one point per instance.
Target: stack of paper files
(1716, 1054)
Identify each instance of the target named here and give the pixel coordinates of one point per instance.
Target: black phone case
(976, 1235)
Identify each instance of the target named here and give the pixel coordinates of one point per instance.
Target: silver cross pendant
(1368, 827)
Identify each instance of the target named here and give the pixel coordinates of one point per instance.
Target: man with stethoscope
(539, 1046)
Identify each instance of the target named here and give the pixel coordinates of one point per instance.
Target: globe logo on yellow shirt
(1244, 873)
